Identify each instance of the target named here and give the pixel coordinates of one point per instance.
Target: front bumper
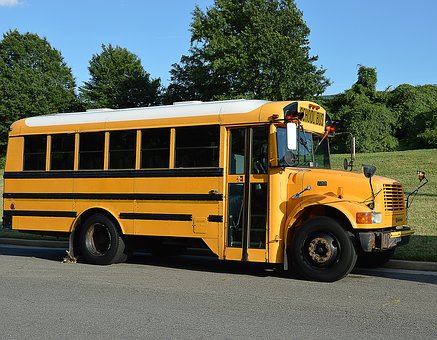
(386, 239)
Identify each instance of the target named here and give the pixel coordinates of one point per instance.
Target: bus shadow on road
(208, 263)
(205, 262)
(397, 274)
(44, 253)
(212, 264)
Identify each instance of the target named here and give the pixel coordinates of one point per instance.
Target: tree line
(239, 49)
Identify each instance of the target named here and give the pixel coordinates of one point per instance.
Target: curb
(34, 243)
(393, 264)
(411, 265)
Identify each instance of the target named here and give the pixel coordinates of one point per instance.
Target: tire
(323, 250)
(100, 241)
(374, 260)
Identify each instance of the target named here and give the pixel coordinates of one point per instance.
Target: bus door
(247, 188)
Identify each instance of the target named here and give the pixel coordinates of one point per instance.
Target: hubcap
(98, 239)
(322, 250)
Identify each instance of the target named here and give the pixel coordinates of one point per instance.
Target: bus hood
(345, 186)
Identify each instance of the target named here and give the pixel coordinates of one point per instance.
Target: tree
(118, 80)
(366, 82)
(248, 49)
(371, 123)
(362, 111)
(416, 111)
(34, 79)
(429, 136)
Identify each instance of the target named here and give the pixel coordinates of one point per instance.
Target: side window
(155, 148)
(35, 153)
(237, 151)
(122, 147)
(197, 146)
(62, 152)
(259, 150)
(91, 150)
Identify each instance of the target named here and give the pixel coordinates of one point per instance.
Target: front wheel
(323, 250)
(100, 241)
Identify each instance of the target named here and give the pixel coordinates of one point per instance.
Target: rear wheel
(100, 241)
(323, 250)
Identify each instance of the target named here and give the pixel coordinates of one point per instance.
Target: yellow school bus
(248, 179)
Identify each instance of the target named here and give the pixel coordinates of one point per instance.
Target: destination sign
(313, 117)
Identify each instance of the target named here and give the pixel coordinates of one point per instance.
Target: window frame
(132, 150)
(103, 152)
(42, 154)
(73, 151)
(168, 148)
(196, 149)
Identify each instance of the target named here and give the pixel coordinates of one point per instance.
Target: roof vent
(103, 109)
(188, 102)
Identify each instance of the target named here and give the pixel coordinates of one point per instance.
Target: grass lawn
(1, 190)
(402, 166)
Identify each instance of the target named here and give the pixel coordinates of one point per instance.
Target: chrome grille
(393, 197)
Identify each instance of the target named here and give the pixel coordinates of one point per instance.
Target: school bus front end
(330, 218)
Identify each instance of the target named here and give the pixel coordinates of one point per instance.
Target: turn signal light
(364, 218)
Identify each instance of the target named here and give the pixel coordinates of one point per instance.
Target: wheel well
(317, 211)
(83, 217)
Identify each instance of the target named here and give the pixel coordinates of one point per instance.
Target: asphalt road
(190, 297)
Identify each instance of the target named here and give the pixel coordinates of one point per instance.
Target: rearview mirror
(291, 136)
(421, 175)
(369, 170)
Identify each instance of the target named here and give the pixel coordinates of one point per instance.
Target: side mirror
(345, 164)
(349, 164)
(421, 176)
(291, 136)
(369, 170)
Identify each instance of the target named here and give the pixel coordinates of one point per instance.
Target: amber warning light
(330, 128)
(292, 115)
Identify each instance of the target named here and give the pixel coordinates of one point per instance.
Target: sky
(397, 37)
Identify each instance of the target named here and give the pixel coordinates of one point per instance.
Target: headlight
(376, 217)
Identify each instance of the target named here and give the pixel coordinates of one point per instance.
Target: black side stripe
(215, 218)
(208, 172)
(39, 213)
(123, 197)
(156, 217)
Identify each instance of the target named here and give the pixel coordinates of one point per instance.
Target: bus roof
(177, 110)
(228, 112)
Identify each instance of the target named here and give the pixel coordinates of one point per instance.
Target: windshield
(309, 152)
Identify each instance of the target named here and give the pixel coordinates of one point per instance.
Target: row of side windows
(194, 147)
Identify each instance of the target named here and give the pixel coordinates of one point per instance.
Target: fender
(71, 258)
(347, 208)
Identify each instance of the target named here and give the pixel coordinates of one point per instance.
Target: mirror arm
(414, 193)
